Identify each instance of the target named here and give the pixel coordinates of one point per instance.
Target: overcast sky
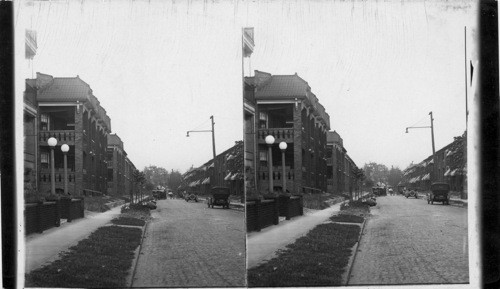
(160, 68)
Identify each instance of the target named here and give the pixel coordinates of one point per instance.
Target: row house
(340, 166)
(120, 176)
(69, 112)
(450, 168)
(227, 171)
(286, 108)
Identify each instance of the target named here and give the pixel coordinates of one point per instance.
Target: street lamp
(270, 141)
(433, 147)
(65, 149)
(52, 143)
(283, 149)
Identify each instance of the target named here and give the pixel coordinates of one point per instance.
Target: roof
(114, 139)
(281, 86)
(65, 89)
(68, 89)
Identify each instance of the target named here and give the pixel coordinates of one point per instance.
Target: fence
(71, 208)
(39, 217)
(263, 213)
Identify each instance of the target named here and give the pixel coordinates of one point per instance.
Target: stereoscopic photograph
(245, 144)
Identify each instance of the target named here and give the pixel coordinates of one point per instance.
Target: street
(408, 241)
(190, 245)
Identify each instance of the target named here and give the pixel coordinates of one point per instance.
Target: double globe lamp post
(270, 141)
(52, 142)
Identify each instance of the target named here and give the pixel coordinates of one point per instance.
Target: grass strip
(317, 259)
(128, 221)
(347, 218)
(101, 260)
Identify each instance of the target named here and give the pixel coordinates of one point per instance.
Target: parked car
(379, 191)
(150, 204)
(220, 197)
(191, 197)
(411, 193)
(440, 192)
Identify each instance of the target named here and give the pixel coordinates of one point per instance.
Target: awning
(206, 181)
(211, 165)
(448, 172)
(230, 157)
(228, 177)
(454, 172)
(426, 177)
(234, 177)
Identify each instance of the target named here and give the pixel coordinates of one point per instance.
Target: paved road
(408, 241)
(190, 245)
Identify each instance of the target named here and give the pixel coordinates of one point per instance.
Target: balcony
(62, 136)
(59, 174)
(280, 134)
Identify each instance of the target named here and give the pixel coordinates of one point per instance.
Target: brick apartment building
(227, 172)
(250, 148)
(70, 112)
(340, 166)
(120, 168)
(30, 113)
(286, 108)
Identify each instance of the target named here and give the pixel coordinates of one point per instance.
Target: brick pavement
(408, 241)
(190, 245)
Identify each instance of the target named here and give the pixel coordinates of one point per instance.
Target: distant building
(340, 166)
(119, 172)
(286, 108)
(70, 112)
(451, 168)
(227, 172)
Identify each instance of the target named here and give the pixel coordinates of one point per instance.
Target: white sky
(160, 68)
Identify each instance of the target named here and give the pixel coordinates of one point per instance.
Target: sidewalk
(45, 248)
(262, 246)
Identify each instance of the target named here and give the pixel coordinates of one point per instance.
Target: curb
(353, 257)
(137, 256)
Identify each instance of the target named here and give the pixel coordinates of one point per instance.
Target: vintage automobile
(439, 193)
(219, 197)
(411, 193)
(379, 191)
(190, 197)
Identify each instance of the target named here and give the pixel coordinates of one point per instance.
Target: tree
(139, 180)
(359, 176)
(394, 176)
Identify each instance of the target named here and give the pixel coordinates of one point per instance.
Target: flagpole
(465, 63)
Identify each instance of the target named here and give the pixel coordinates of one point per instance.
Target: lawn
(102, 260)
(98, 203)
(317, 259)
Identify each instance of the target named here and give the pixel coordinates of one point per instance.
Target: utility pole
(436, 178)
(213, 145)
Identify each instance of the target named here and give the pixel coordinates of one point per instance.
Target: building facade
(450, 167)
(286, 108)
(227, 171)
(340, 167)
(116, 162)
(69, 112)
(30, 123)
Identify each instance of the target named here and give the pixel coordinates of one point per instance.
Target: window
(44, 121)
(44, 159)
(263, 117)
